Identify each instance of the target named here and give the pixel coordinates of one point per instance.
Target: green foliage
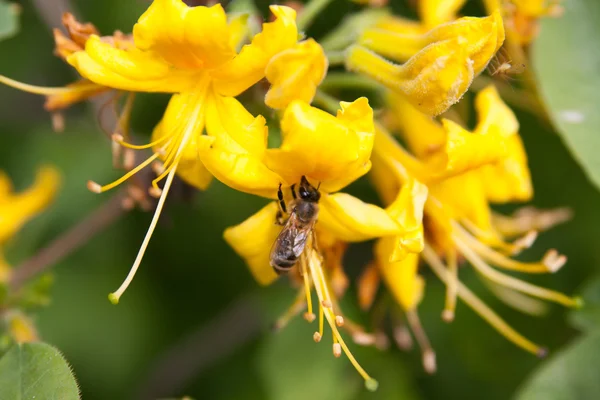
(588, 317)
(566, 61)
(36, 371)
(570, 375)
(9, 21)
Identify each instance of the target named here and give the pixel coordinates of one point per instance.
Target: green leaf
(570, 375)
(9, 21)
(36, 371)
(566, 61)
(588, 317)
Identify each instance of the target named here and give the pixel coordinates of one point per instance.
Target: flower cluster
(436, 192)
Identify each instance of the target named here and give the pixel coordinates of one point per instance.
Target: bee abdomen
(282, 265)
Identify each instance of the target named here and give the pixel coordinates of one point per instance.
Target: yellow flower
(18, 208)
(330, 152)
(459, 222)
(192, 53)
(439, 65)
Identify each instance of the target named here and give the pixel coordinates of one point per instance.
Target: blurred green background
(194, 322)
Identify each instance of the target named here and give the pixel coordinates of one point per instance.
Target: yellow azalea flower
(460, 225)
(440, 65)
(20, 327)
(18, 208)
(192, 53)
(329, 152)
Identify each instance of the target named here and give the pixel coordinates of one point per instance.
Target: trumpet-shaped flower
(459, 221)
(439, 65)
(330, 152)
(18, 208)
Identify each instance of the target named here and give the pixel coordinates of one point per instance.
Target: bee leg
(293, 188)
(281, 200)
(279, 218)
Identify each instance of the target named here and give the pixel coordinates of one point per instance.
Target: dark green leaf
(36, 371)
(571, 374)
(9, 22)
(567, 62)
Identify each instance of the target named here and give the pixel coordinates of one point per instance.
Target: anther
(448, 315)
(339, 320)
(429, 363)
(326, 304)
(58, 122)
(525, 242)
(363, 338)
(127, 203)
(402, 337)
(117, 137)
(317, 337)
(542, 352)
(553, 260)
(158, 167)
(155, 192)
(94, 187)
(310, 317)
(337, 350)
(128, 159)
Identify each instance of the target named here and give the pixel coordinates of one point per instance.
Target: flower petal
(17, 209)
(185, 37)
(494, 114)
(253, 239)
(437, 12)
(130, 69)
(407, 211)
(234, 148)
(248, 67)
(401, 277)
(295, 73)
(351, 220)
(324, 148)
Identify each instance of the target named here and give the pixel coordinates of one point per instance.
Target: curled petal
(248, 67)
(401, 277)
(80, 90)
(295, 73)
(253, 239)
(17, 209)
(322, 147)
(432, 80)
(407, 211)
(185, 37)
(131, 69)
(349, 219)
(233, 148)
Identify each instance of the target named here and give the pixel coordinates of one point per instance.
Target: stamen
(402, 337)
(337, 350)
(309, 315)
(58, 122)
(155, 192)
(121, 141)
(511, 282)
(96, 188)
(492, 239)
(314, 265)
(317, 337)
(479, 306)
(339, 320)
(450, 306)
(44, 90)
(517, 300)
(551, 262)
(129, 159)
(529, 218)
(124, 118)
(428, 355)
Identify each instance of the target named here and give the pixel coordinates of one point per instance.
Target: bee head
(308, 192)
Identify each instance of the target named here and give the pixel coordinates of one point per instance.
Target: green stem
(336, 80)
(327, 101)
(336, 58)
(309, 12)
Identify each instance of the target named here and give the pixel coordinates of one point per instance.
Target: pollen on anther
(310, 317)
(554, 261)
(448, 316)
(94, 187)
(429, 363)
(117, 137)
(326, 304)
(339, 320)
(317, 337)
(337, 350)
(155, 192)
(363, 338)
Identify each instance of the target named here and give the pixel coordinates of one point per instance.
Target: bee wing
(291, 240)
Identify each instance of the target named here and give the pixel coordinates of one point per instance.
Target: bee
(299, 226)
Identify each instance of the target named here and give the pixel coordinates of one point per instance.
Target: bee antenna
(319, 185)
